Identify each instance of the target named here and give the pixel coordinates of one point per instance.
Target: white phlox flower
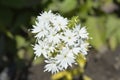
(52, 66)
(81, 32)
(76, 50)
(69, 37)
(58, 43)
(66, 58)
(60, 23)
(41, 48)
(84, 47)
(46, 17)
(53, 37)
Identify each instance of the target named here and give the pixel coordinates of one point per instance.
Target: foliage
(101, 17)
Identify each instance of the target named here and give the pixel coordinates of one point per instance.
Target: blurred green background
(101, 17)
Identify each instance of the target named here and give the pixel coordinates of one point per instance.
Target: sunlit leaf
(95, 33)
(112, 25)
(81, 60)
(68, 5)
(64, 75)
(113, 42)
(20, 41)
(85, 77)
(21, 53)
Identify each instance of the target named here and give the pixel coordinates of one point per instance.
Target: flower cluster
(58, 43)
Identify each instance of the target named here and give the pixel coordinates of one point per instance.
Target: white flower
(81, 32)
(57, 43)
(69, 37)
(51, 66)
(53, 37)
(84, 47)
(37, 50)
(36, 29)
(60, 23)
(76, 50)
(66, 58)
(40, 29)
(46, 17)
(41, 48)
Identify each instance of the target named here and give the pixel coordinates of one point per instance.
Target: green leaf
(68, 5)
(74, 20)
(9, 34)
(64, 6)
(81, 60)
(118, 1)
(97, 41)
(112, 25)
(85, 77)
(113, 42)
(21, 53)
(118, 35)
(113, 31)
(20, 41)
(84, 8)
